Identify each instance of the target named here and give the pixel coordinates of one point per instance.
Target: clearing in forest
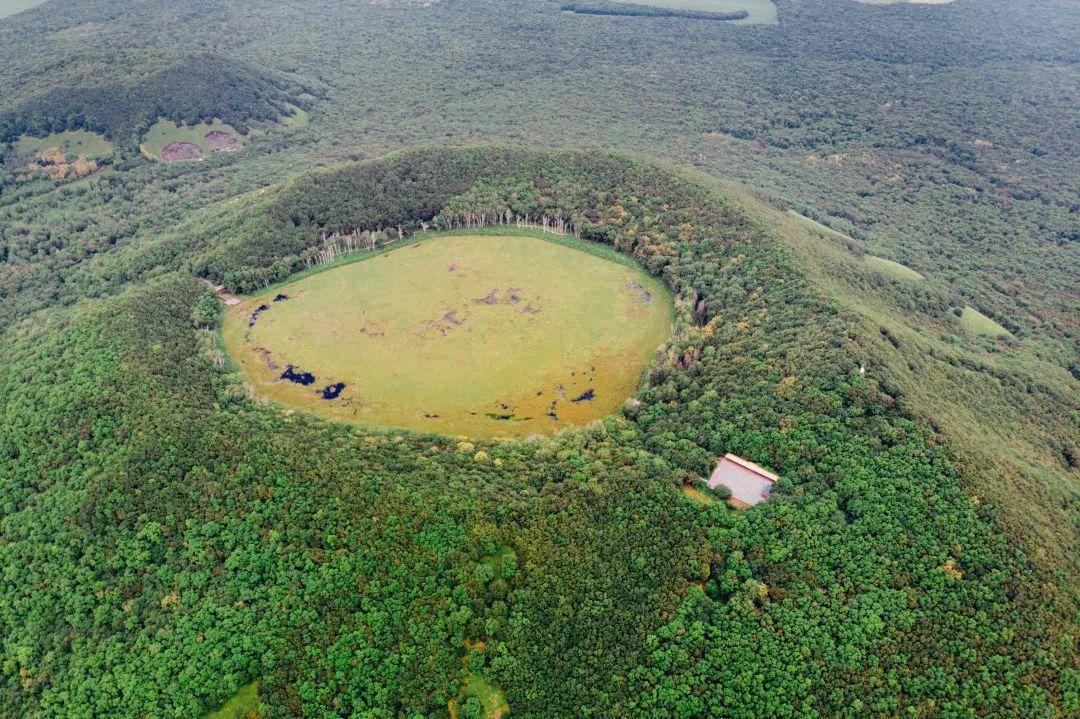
(892, 269)
(169, 142)
(977, 323)
(72, 143)
(491, 700)
(760, 12)
(243, 705)
(63, 155)
(480, 335)
(10, 7)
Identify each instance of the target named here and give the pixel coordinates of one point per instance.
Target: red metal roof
(747, 464)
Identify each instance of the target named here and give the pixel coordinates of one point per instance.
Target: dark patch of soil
(430, 415)
(530, 310)
(447, 322)
(176, 151)
(221, 141)
(255, 315)
(281, 298)
(301, 377)
(372, 333)
(266, 357)
(509, 296)
(584, 396)
(643, 294)
(333, 391)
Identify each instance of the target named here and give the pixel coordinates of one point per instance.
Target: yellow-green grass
(478, 335)
(10, 7)
(244, 703)
(977, 323)
(760, 11)
(815, 225)
(903, 2)
(892, 269)
(72, 143)
(491, 698)
(697, 495)
(298, 119)
(165, 131)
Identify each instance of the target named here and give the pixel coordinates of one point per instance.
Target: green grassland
(482, 335)
(977, 323)
(698, 495)
(165, 131)
(761, 11)
(243, 705)
(491, 698)
(72, 143)
(1007, 414)
(818, 227)
(298, 119)
(891, 268)
(10, 7)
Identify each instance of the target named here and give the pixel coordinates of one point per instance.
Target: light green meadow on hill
(10, 7)
(480, 335)
(760, 11)
(72, 143)
(164, 132)
(892, 268)
(243, 705)
(977, 323)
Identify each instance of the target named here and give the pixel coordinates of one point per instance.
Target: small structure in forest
(749, 483)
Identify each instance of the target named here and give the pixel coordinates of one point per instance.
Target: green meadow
(761, 11)
(165, 131)
(977, 323)
(72, 143)
(479, 335)
(243, 705)
(817, 226)
(10, 7)
(892, 269)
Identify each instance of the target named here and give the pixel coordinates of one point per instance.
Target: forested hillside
(194, 89)
(869, 222)
(160, 523)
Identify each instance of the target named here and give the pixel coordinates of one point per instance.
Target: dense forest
(167, 538)
(347, 569)
(191, 90)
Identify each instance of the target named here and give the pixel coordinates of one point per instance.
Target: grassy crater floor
(480, 335)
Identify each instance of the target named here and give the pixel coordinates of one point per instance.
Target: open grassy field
(698, 495)
(909, 2)
(166, 140)
(72, 143)
(815, 225)
(10, 7)
(761, 11)
(892, 269)
(481, 335)
(243, 705)
(298, 119)
(977, 323)
(490, 697)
